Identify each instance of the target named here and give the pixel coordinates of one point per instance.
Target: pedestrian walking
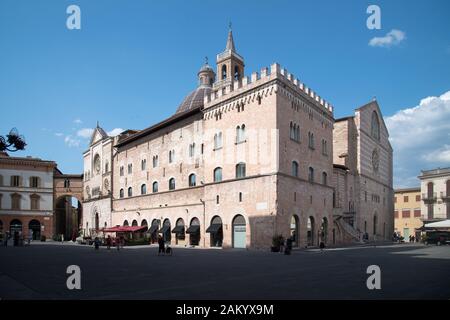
(96, 243)
(321, 246)
(30, 236)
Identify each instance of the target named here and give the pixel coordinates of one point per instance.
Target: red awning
(124, 229)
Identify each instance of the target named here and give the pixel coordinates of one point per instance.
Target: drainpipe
(204, 222)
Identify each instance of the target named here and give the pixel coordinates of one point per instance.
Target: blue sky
(132, 63)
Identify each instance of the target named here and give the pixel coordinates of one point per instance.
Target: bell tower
(230, 65)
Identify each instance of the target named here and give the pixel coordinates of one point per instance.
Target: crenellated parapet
(267, 81)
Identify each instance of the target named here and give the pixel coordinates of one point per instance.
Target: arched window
(224, 72)
(130, 168)
(134, 223)
(295, 168)
(311, 174)
(217, 174)
(291, 130)
(324, 178)
(191, 149)
(144, 223)
(297, 133)
(15, 201)
(375, 126)
(237, 75)
(143, 164)
(311, 140)
(125, 223)
(192, 179)
(97, 164)
(155, 187)
(67, 183)
(130, 192)
(240, 170)
(121, 172)
(121, 193)
(34, 202)
(155, 161)
(324, 147)
(240, 133)
(172, 184)
(143, 189)
(218, 140)
(171, 156)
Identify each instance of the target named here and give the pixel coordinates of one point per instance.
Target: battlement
(256, 79)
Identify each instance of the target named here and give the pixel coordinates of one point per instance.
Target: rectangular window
(396, 214)
(34, 182)
(417, 213)
(130, 168)
(405, 199)
(406, 214)
(15, 181)
(418, 198)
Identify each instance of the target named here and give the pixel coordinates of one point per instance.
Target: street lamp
(13, 141)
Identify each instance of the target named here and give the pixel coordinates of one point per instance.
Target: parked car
(437, 237)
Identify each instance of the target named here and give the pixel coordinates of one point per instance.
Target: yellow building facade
(407, 213)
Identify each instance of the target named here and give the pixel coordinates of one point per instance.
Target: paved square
(407, 272)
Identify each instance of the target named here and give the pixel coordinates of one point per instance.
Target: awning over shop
(214, 228)
(193, 229)
(178, 229)
(439, 224)
(164, 229)
(125, 229)
(153, 228)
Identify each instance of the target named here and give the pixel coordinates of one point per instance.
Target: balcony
(445, 196)
(429, 198)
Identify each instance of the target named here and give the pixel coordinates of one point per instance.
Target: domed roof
(206, 67)
(194, 99)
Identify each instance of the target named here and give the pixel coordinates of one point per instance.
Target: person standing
(108, 242)
(160, 245)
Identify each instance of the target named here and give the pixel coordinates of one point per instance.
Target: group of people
(162, 248)
(18, 238)
(118, 242)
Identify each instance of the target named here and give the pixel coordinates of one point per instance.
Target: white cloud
(71, 142)
(59, 134)
(85, 133)
(439, 155)
(393, 37)
(77, 121)
(116, 131)
(420, 138)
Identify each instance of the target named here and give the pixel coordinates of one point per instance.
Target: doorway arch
(165, 231)
(310, 231)
(295, 230)
(179, 231)
(194, 232)
(68, 216)
(216, 232)
(35, 226)
(15, 226)
(324, 230)
(239, 232)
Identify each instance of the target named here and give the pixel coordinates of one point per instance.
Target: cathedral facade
(242, 160)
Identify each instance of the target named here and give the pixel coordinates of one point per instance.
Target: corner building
(241, 160)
